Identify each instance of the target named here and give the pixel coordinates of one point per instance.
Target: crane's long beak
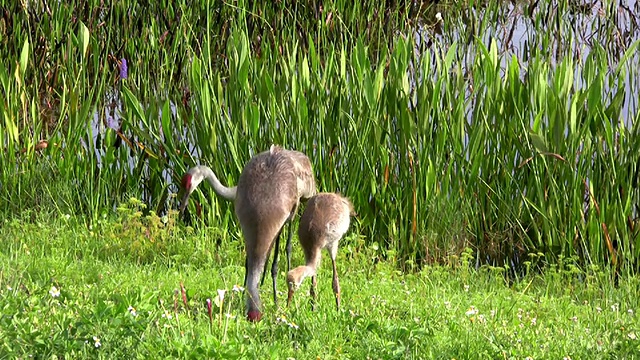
(185, 200)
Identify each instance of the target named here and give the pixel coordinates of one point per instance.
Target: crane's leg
(313, 291)
(246, 270)
(289, 245)
(264, 271)
(266, 264)
(274, 268)
(255, 263)
(290, 235)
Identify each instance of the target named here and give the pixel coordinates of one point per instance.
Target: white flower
(472, 311)
(67, 216)
(533, 321)
(237, 288)
(466, 288)
(632, 336)
(55, 292)
(447, 304)
(132, 311)
(630, 311)
(220, 299)
(96, 342)
(598, 309)
(493, 313)
(438, 16)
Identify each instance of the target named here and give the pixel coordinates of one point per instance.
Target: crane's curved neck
(228, 193)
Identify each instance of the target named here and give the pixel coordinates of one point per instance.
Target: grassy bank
(64, 292)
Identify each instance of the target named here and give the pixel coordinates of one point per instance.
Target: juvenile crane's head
(295, 278)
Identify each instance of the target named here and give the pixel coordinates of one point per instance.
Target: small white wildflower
(466, 288)
(632, 336)
(493, 313)
(438, 16)
(96, 342)
(528, 358)
(481, 319)
(534, 321)
(293, 325)
(132, 311)
(55, 292)
(230, 316)
(9, 288)
(598, 309)
(615, 307)
(566, 357)
(574, 319)
(167, 315)
(220, 299)
(164, 219)
(630, 311)
(447, 304)
(67, 216)
(237, 288)
(472, 311)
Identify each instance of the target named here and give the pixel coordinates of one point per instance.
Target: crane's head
(188, 184)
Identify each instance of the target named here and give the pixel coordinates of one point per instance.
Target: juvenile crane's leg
(336, 283)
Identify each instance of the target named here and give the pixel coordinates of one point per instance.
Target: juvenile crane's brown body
(266, 197)
(323, 223)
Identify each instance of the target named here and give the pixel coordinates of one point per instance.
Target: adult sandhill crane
(322, 225)
(266, 197)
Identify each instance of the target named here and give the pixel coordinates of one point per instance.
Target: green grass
(566, 312)
(526, 149)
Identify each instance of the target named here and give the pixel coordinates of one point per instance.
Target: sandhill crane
(266, 197)
(322, 225)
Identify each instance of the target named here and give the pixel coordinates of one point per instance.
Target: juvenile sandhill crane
(266, 197)
(322, 225)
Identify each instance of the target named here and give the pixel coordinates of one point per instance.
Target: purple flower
(210, 310)
(124, 70)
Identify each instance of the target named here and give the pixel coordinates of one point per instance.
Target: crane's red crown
(186, 181)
